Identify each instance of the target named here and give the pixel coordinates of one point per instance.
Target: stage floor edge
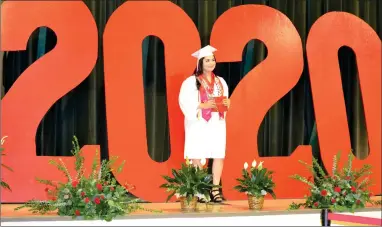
(230, 213)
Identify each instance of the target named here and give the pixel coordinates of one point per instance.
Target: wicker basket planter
(255, 203)
(188, 206)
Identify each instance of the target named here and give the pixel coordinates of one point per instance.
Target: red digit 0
(329, 33)
(125, 109)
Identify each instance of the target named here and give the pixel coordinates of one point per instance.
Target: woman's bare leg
(217, 170)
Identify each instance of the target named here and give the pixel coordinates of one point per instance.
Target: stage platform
(230, 213)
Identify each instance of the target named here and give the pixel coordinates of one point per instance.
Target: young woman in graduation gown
(203, 99)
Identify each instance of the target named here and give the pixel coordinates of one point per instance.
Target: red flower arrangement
(343, 191)
(97, 196)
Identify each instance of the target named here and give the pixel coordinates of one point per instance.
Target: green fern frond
(295, 206)
(66, 171)
(46, 182)
(362, 172)
(38, 207)
(349, 164)
(61, 168)
(311, 170)
(318, 166)
(77, 153)
(120, 167)
(366, 185)
(94, 166)
(336, 159)
(303, 179)
(7, 167)
(5, 185)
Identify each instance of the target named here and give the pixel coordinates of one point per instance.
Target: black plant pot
(324, 217)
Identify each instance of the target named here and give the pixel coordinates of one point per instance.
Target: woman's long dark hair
(199, 71)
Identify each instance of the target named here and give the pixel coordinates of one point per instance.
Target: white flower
(66, 196)
(254, 163)
(190, 162)
(203, 161)
(246, 165)
(3, 139)
(263, 192)
(260, 166)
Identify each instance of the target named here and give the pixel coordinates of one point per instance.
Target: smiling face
(209, 63)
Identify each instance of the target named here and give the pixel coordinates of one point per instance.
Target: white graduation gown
(202, 139)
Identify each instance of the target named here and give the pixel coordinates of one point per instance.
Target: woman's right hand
(208, 105)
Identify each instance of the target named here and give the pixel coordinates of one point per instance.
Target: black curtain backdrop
(289, 123)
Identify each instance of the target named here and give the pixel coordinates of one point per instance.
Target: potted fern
(189, 184)
(3, 184)
(97, 196)
(345, 189)
(256, 183)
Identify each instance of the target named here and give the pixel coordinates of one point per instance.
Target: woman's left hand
(227, 102)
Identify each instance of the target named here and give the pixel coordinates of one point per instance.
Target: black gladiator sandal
(217, 198)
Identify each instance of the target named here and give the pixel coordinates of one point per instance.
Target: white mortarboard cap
(204, 52)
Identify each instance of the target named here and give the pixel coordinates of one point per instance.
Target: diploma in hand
(219, 103)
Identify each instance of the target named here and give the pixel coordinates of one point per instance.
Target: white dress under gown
(203, 139)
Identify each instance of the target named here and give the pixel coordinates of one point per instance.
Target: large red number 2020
(71, 61)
